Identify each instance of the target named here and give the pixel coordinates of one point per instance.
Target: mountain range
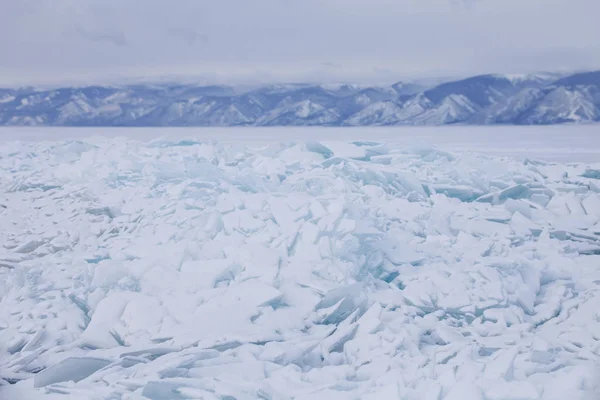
(529, 99)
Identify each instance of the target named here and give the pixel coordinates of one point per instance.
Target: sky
(259, 41)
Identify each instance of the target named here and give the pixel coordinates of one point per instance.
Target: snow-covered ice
(185, 268)
(559, 143)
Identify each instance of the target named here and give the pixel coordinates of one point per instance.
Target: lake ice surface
(562, 143)
(422, 263)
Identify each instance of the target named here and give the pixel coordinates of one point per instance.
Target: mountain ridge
(528, 99)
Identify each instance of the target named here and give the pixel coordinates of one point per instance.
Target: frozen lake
(310, 263)
(561, 143)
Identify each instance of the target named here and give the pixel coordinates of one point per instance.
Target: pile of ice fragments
(187, 270)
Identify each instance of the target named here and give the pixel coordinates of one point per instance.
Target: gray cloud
(190, 36)
(116, 38)
(292, 40)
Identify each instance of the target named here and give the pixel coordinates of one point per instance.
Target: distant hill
(485, 99)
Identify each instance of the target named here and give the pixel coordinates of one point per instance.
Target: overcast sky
(233, 41)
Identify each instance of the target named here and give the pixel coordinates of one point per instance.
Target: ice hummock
(182, 269)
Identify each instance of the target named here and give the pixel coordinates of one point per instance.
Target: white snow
(7, 99)
(307, 267)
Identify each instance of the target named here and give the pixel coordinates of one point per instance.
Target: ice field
(419, 264)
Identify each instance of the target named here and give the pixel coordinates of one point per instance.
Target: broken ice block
(71, 369)
(513, 192)
(591, 173)
(341, 302)
(463, 193)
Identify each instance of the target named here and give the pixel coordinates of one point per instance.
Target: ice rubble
(199, 270)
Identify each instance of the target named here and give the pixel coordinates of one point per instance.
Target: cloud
(292, 40)
(116, 38)
(190, 36)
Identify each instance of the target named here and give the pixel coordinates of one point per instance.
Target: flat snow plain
(421, 264)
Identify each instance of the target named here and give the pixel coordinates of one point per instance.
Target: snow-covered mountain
(486, 99)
